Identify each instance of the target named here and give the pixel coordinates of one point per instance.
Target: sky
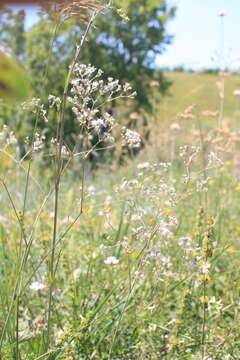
(201, 38)
(199, 32)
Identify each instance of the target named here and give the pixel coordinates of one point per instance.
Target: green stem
(59, 164)
(204, 321)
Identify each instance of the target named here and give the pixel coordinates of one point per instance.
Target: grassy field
(199, 89)
(145, 258)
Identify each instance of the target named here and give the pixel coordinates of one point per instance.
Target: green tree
(12, 30)
(127, 50)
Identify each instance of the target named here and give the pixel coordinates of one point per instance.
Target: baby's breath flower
(89, 93)
(131, 138)
(143, 165)
(111, 260)
(37, 286)
(54, 101)
(204, 267)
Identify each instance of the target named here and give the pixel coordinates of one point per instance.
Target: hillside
(199, 89)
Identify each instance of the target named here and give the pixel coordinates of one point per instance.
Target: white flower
(67, 220)
(222, 13)
(236, 92)
(111, 260)
(36, 286)
(143, 165)
(205, 268)
(166, 261)
(175, 126)
(76, 274)
(91, 189)
(131, 138)
(184, 241)
(136, 217)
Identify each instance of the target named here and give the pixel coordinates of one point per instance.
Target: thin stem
(82, 189)
(204, 321)
(19, 278)
(59, 164)
(222, 80)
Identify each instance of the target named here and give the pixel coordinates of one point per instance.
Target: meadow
(132, 261)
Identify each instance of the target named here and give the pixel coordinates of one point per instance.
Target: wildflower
(131, 138)
(136, 217)
(143, 165)
(56, 292)
(166, 261)
(175, 126)
(222, 13)
(76, 274)
(91, 189)
(37, 286)
(67, 220)
(205, 267)
(208, 113)
(188, 113)
(38, 142)
(213, 159)
(184, 241)
(54, 100)
(87, 92)
(154, 84)
(203, 299)
(236, 92)
(111, 260)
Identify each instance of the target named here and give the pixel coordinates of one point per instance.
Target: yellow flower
(151, 222)
(238, 187)
(133, 254)
(231, 249)
(228, 163)
(83, 251)
(106, 208)
(203, 299)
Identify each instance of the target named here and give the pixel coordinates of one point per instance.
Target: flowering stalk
(59, 147)
(221, 83)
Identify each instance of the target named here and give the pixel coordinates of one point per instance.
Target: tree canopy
(125, 49)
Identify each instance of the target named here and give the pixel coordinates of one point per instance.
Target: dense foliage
(124, 49)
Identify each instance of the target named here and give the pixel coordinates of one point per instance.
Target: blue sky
(197, 32)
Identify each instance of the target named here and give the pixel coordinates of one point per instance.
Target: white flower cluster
(38, 142)
(188, 153)
(54, 101)
(7, 137)
(37, 286)
(34, 105)
(131, 138)
(150, 224)
(213, 160)
(89, 94)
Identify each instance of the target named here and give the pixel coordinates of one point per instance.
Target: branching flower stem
(58, 173)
